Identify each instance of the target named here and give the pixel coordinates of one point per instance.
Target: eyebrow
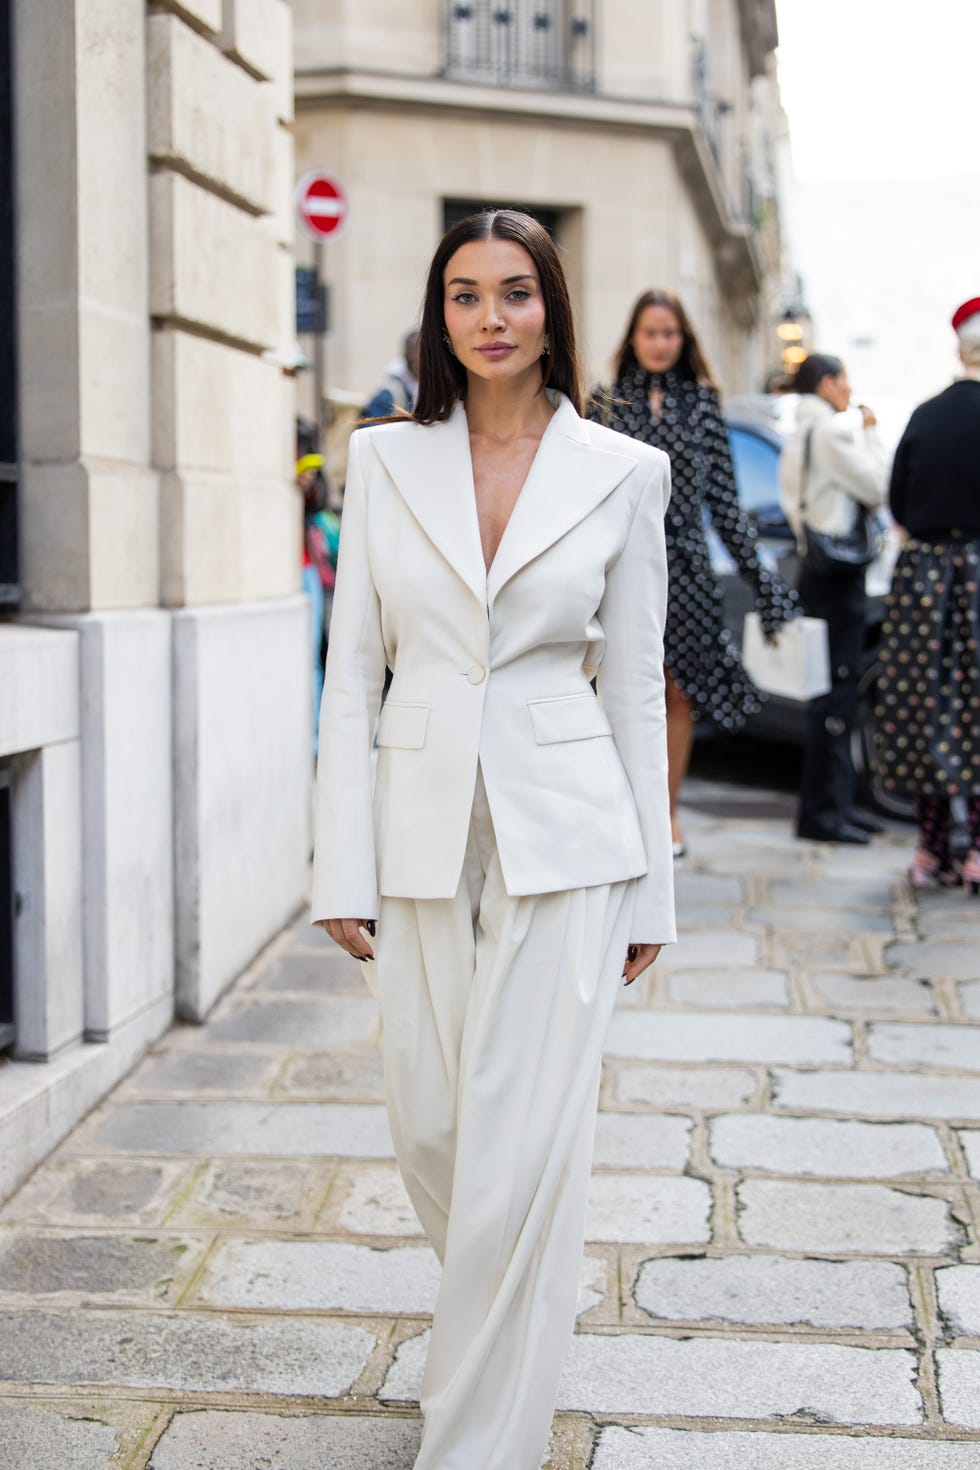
(507, 281)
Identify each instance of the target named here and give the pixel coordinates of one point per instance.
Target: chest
(499, 473)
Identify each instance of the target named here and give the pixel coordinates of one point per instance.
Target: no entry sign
(321, 205)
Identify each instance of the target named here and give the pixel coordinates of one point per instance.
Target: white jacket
(848, 468)
(496, 667)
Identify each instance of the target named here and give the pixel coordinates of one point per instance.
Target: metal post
(319, 342)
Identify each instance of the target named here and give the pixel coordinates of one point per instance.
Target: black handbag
(829, 555)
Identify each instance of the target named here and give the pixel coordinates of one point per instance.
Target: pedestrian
(663, 395)
(832, 474)
(312, 486)
(399, 384)
(928, 690)
(499, 552)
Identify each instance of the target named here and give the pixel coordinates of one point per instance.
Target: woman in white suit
(498, 554)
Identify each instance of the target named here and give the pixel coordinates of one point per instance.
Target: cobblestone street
(219, 1269)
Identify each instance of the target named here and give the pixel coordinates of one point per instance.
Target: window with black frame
(9, 581)
(522, 43)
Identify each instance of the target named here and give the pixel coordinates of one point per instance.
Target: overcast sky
(881, 89)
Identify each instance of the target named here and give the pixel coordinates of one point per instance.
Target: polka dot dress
(928, 687)
(700, 653)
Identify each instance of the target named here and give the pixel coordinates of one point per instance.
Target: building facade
(154, 687)
(645, 136)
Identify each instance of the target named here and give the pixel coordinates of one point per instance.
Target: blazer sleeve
(345, 883)
(630, 685)
(859, 467)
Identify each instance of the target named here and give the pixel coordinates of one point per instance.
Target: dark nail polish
(370, 927)
(362, 958)
(632, 951)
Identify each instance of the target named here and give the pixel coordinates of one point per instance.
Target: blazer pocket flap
(403, 725)
(577, 717)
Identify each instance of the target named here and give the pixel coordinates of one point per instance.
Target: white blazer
(495, 668)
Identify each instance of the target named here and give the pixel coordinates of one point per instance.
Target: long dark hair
(813, 369)
(691, 363)
(442, 377)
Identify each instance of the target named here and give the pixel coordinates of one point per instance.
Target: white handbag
(796, 665)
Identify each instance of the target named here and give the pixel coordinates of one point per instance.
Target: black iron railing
(522, 43)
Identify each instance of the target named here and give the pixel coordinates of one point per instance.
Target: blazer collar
(433, 471)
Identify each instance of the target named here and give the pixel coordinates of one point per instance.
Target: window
(523, 43)
(9, 589)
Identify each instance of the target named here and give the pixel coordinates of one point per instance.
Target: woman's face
(658, 340)
(836, 390)
(494, 309)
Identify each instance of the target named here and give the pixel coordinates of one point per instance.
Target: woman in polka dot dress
(663, 395)
(928, 705)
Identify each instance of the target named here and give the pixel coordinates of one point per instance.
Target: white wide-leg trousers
(494, 1013)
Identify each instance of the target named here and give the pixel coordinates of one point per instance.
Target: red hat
(964, 312)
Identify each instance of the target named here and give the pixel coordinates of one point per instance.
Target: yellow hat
(310, 462)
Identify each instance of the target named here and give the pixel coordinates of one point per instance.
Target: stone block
(637, 1141)
(212, 264)
(80, 1266)
(870, 1296)
(33, 1437)
(230, 1441)
(692, 889)
(822, 921)
(593, 1283)
(235, 1192)
(184, 1353)
(205, 1071)
(297, 1023)
(722, 1037)
(300, 1130)
(270, 537)
(640, 1448)
(200, 539)
(865, 892)
(825, 1146)
(904, 1044)
(709, 952)
(207, 116)
(242, 798)
(97, 1191)
(311, 971)
(259, 33)
(970, 1141)
(959, 1387)
(850, 993)
(204, 12)
(647, 1210)
(355, 1076)
(932, 958)
(878, 1094)
(724, 1379)
(958, 1291)
(39, 677)
(723, 988)
(708, 1088)
(970, 999)
(375, 1202)
(318, 1275)
(831, 1218)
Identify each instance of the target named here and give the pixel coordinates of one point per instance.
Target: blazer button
(476, 674)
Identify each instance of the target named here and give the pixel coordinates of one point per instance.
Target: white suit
(518, 836)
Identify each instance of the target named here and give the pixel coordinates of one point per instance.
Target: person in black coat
(928, 703)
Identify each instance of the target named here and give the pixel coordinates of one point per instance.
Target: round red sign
(321, 205)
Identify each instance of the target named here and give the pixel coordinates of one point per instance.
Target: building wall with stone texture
(159, 739)
(646, 131)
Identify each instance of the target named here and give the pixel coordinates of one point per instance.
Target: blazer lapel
(568, 478)
(433, 472)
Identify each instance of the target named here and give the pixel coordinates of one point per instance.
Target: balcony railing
(523, 43)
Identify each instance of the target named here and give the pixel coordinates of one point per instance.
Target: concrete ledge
(39, 678)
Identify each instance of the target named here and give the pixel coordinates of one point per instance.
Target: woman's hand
(347, 933)
(639, 957)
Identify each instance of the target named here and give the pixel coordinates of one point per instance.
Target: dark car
(757, 429)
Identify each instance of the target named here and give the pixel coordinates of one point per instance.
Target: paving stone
(832, 893)
(637, 1141)
(648, 1210)
(297, 1022)
(959, 1386)
(642, 1448)
(772, 1290)
(825, 1146)
(348, 1076)
(878, 1094)
(932, 957)
(377, 1203)
(593, 1283)
(958, 1289)
(98, 1190)
(683, 1087)
(970, 999)
(311, 971)
(701, 916)
(98, 1265)
(820, 921)
(204, 1071)
(43, 1439)
(717, 1378)
(233, 1441)
(300, 1129)
(258, 1193)
(705, 888)
(851, 993)
(722, 1037)
(707, 951)
(319, 1275)
(843, 1217)
(970, 1140)
(731, 987)
(185, 1352)
(905, 1044)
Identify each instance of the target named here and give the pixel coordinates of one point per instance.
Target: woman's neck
(507, 410)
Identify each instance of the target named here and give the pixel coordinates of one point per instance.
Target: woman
(832, 471)
(928, 708)
(498, 554)
(663, 395)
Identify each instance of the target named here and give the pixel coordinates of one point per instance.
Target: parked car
(758, 427)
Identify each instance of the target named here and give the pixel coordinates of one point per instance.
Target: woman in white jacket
(498, 554)
(833, 469)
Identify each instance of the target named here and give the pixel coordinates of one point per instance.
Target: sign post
(321, 206)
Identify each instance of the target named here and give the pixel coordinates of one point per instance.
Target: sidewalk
(219, 1269)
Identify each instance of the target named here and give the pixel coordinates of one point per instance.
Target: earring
(446, 339)
(546, 347)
